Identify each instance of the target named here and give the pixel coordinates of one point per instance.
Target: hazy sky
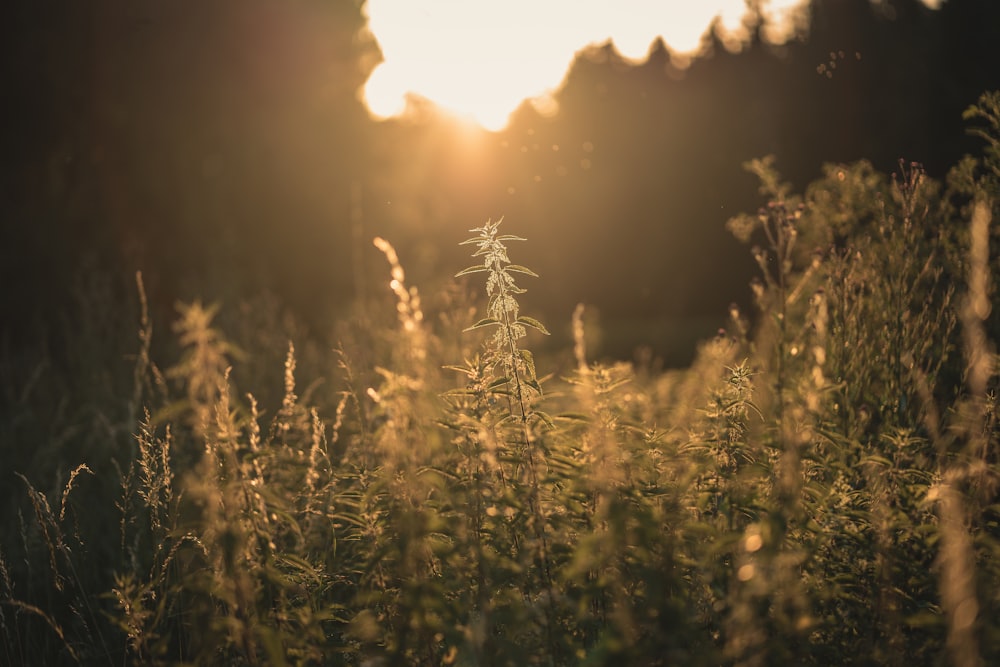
(482, 58)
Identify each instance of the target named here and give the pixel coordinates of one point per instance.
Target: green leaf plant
(514, 370)
(516, 367)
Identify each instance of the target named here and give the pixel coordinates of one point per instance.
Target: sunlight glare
(483, 59)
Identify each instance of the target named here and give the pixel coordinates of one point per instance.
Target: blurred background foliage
(222, 150)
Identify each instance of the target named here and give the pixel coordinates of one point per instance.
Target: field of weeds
(820, 487)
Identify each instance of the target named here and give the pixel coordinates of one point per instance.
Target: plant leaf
(529, 363)
(485, 322)
(544, 416)
(499, 382)
(574, 416)
(460, 392)
(533, 323)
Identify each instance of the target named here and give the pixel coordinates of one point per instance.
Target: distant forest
(221, 149)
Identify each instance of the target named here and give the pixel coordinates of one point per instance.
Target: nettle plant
(514, 367)
(514, 376)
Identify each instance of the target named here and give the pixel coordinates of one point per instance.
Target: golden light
(481, 60)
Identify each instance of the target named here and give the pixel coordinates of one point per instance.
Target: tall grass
(819, 488)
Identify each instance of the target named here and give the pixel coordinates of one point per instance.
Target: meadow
(820, 487)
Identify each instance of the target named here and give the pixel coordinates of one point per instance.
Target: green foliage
(819, 488)
(503, 313)
(987, 111)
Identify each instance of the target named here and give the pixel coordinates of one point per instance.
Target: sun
(476, 59)
(458, 88)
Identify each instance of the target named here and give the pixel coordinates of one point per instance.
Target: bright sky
(482, 58)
